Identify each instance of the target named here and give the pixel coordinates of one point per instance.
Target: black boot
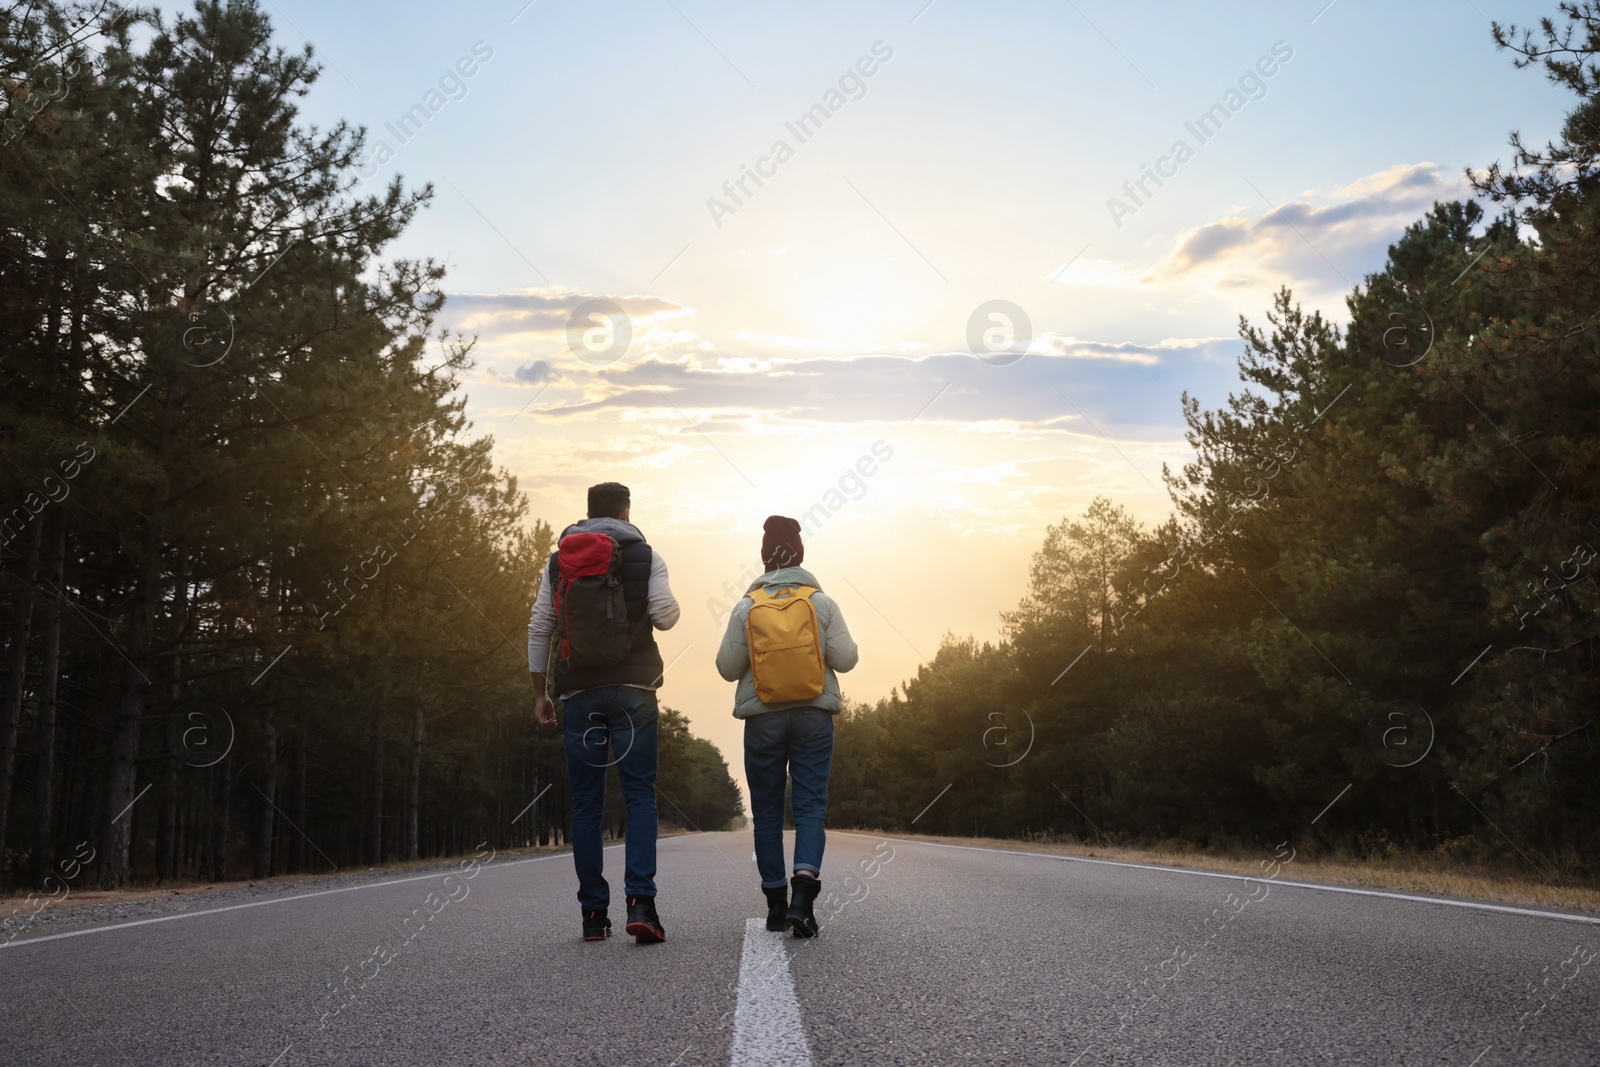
(596, 927)
(802, 920)
(777, 908)
(643, 923)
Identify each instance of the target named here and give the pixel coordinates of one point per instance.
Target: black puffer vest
(643, 665)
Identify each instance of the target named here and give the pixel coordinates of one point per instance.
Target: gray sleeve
(733, 658)
(664, 610)
(541, 624)
(839, 648)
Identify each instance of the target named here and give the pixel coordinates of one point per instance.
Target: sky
(933, 183)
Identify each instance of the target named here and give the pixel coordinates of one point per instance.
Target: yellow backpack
(785, 645)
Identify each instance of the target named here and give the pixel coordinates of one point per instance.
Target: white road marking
(1592, 920)
(274, 900)
(766, 1018)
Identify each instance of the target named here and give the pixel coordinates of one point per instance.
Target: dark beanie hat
(607, 499)
(780, 543)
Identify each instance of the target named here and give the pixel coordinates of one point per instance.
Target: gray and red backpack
(600, 593)
(591, 613)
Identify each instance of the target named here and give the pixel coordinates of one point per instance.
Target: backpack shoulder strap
(787, 592)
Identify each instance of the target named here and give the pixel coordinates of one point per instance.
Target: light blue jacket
(839, 652)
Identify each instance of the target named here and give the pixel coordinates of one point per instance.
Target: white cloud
(1314, 241)
(1072, 348)
(1302, 239)
(1131, 384)
(814, 345)
(545, 311)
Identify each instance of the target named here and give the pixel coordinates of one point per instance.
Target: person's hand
(544, 712)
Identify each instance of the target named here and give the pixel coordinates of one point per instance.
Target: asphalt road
(930, 955)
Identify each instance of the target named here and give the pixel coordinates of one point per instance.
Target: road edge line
(274, 900)
(1593, 920)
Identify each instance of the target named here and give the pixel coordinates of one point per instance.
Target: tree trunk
(375, 856)
(167, 858)
(16, 665)
(49, 683)
(69, 366)
(219, 828)
(116, 857)
(298, 858)
(414, 787)
(167, 821)
(265, 826)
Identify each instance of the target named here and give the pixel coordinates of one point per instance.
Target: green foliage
(693, 788)
(284, 548)
(1402, 512)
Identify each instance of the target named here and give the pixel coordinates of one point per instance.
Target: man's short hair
(608, 500)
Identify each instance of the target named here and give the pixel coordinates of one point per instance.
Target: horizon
(1190, 413)
(787, 313)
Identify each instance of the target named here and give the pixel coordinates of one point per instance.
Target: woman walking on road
(785, 640)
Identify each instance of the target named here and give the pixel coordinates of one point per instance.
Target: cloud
(1301, 238)
(1348, 230)
(678, 383)
(1072, 348)
(808, 345)
(535, 373)
(1416, 184)
(544, 311)
(1132, 385)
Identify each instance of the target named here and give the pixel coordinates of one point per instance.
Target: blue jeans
(780, 745)
(616, 724)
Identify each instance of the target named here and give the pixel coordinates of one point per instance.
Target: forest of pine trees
(264, 595)
(264, 592)
(1380, 573)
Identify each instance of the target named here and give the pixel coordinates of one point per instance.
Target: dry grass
(141, 891)
(86, 895)
(1403, 873)
(79, 896)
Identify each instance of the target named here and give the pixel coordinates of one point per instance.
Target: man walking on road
(591, 628)
(785, 640)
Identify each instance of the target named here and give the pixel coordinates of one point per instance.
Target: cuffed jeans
(616, 724)
(778, 745)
